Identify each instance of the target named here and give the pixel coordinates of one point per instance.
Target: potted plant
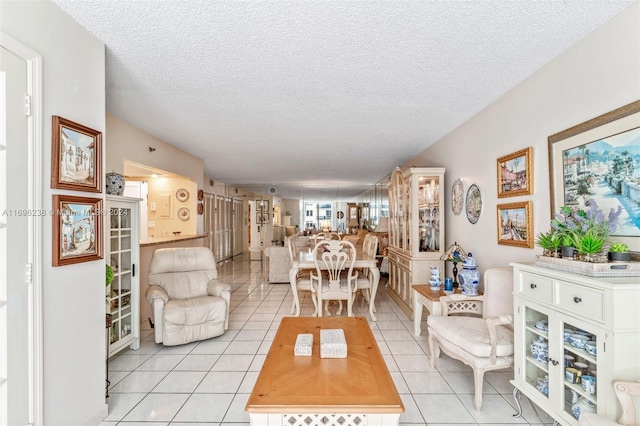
(585, 229)
(619, 252)
(110, 276)
(551, 242)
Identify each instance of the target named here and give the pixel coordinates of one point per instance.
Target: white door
(15, 302)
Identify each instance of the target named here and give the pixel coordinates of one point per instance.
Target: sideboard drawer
(537, 287)
(580, 300)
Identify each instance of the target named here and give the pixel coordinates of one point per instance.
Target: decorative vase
(619, 256)
(114, 183)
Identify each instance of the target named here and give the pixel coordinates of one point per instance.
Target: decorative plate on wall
(457, 196)
(200, 208)
(474, 203)
(184, 213)
(200, 195)
(182, 194)
(340, 215)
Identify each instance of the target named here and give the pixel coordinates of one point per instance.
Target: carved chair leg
(478, 376)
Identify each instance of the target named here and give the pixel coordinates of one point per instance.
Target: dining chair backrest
(334, 236)
(320, 236)
(372, 249)
(334, 257)
(293, 250)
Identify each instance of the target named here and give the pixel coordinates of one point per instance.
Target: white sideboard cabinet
(123, 254)
(606, 310)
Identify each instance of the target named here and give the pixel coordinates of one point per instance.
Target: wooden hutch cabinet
(416, 229)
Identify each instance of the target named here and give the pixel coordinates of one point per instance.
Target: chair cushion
(472, 335)
(188, 320)
(591, 419)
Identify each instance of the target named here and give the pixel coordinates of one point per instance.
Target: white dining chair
(334, 278)
(365, 277)
(302, 281)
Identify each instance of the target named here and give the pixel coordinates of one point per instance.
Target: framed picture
(76, 158)
(600, 160)
(514, 224)
(474, 203)
(262, 205)
(77, 229)
(515, 174)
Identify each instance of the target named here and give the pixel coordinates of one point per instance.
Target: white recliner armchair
(189, 303)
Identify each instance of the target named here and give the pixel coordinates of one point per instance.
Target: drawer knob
(577, 299)
(532, 285)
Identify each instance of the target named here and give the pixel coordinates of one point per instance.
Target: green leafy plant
(550, 240)
(110, 275)
(591, 242)
(619, 248)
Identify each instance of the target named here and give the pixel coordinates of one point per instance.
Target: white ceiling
(320, 94)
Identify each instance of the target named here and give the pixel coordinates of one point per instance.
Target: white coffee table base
(278, 419)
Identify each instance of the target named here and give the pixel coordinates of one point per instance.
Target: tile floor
(209, 382)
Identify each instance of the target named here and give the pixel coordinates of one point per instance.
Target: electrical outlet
(152, 206)
(151, 224)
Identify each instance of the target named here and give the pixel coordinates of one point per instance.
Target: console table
(302, 390)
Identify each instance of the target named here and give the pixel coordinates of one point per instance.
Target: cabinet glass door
(428, 213)
(120, 258)
(580, 372)
(536, 339)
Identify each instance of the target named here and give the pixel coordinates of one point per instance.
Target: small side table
(430, 299)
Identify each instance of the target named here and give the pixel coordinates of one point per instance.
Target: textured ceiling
(332, 95)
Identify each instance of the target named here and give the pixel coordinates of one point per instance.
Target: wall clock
(457, 196)
(474, 203)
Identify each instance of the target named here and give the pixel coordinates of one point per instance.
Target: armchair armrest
(155, 292)
(216, 288)
(492, 323)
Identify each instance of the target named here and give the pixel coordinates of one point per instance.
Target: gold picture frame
(590, 161)
(515, 173)
(514, 224)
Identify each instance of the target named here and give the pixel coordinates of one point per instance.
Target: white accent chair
(189, 303)
(624, 390)
(334, 278)
(484, 343)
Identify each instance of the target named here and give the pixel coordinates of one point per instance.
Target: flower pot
(591, 257)
(568, 252)
(619, 256)
(552, 252)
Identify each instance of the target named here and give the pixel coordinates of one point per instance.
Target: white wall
(597, 75)
(73, 295)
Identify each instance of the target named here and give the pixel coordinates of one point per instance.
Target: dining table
(305, 260)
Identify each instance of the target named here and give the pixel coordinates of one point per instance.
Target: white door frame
(34, 178)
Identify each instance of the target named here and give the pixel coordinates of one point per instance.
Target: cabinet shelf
(581, 353)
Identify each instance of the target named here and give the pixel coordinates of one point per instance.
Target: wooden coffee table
(302, 390)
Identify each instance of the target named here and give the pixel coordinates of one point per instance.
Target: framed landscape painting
(600, 160)
(77, 229)
(514, 224)
(76, 160)
(515, 174)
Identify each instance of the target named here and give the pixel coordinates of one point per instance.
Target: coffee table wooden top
(360, 383)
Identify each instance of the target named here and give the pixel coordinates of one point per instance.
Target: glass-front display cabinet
(123, 252)
(573, 336)
(416, 228)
